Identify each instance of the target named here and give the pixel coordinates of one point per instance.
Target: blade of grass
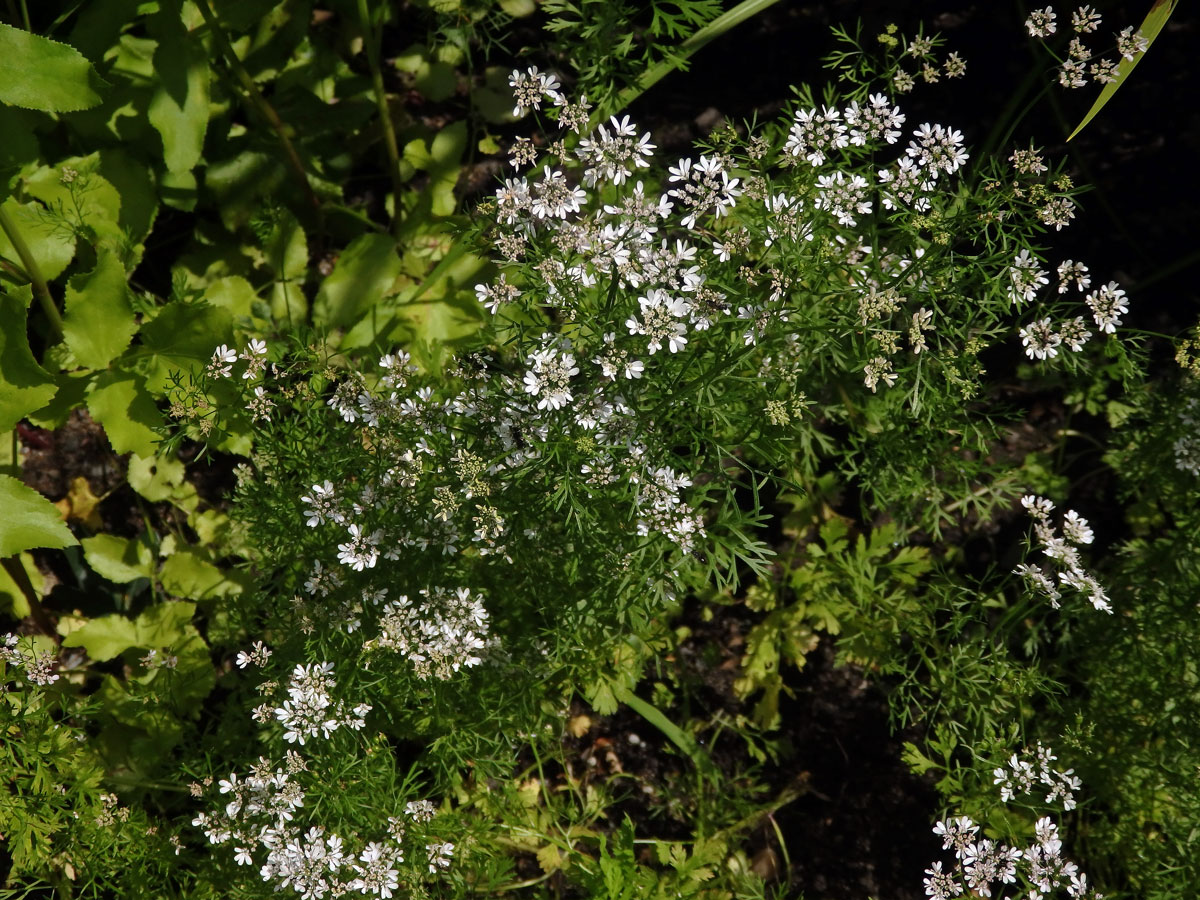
(676, 735)
(1154, 22)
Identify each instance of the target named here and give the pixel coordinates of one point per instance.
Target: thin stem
(265, 109)
(40, 288)
(686, 50)
(37, 612)
(25, 16)
(373, 38)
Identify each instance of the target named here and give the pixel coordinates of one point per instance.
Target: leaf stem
(265, 109)
(16, 571)
(40, 288)
(372, 39)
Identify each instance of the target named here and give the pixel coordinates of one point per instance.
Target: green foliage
(491, 455)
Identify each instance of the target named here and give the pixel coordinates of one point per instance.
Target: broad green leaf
(232, 294)
(435, 80)
(166, 624)
(1154, 22)
(286, 249)
(133, 181)
(441, 160)
(179, 106)
(99, 321)
(29, 520)
(51, 241)
(38, 73)
(183, 335)
(105, 637)
(119, 559)
(155, 477)
(120, 402)
(71, 392)
(24, 385)
(178, 189)
(186, 573)
(365, 273)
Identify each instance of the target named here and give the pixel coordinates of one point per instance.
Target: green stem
(265, 109)
(372, 39)
(16, 571)
(676, 735)
(686, 50)
(40, 289)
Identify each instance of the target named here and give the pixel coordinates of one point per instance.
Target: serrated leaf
(99, 321)
(187, 574)
(24, 385)
(181, 336)
(38, 73)
(1154, 23)
(550, 859)
(166, 624)
(364, 274)
(155, 477)
(104, 638)
(118, 559)
(29, 520)
(179, 106)
(120, 402)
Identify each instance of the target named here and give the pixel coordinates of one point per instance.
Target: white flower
(660, 315)
(1040, 23)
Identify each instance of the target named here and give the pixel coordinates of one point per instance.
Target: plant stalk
(265, 109)
(373, 40)
(37, 612)
(40, 288)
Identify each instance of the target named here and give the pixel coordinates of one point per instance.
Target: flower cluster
(259, 819)
(1063, 549)
(38, 665)
(1043, 337)
(255, 357)
(1029, 772)
(444, 633)
(310, 709)
(1081, 62)
(982, 864)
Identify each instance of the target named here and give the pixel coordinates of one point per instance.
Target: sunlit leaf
(99, 321)
(29, 520)
(38, 73)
